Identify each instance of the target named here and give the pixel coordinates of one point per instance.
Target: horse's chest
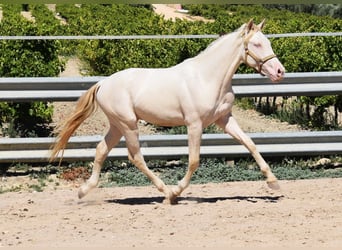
(224, 106)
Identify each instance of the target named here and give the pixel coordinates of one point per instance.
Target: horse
(196, 93)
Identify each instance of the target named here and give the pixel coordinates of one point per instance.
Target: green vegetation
(219, 170)
(106, 57)
(299, 54)
(25, 58)
(333, 10)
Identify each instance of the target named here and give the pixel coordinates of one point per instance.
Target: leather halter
(259, 61)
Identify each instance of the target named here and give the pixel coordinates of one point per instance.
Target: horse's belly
(158, 104)
(160, 115)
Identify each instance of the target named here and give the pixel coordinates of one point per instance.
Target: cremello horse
(195, 93)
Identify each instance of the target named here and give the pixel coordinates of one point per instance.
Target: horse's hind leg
(136, 157)
(231, 127)
(103, 148)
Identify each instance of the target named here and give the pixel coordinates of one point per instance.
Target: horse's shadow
(192, 199)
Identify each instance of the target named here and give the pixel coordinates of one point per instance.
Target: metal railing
(143, 37)
(82, 148)
(244, 85)
(175, 146)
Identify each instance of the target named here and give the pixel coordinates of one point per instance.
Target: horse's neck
(220, 60)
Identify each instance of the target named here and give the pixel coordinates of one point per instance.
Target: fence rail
(175, 146)
(142, 37)
(244, 85)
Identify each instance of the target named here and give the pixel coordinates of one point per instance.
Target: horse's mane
(223, 37)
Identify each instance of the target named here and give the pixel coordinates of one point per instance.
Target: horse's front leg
(194, 143)
(230, 126)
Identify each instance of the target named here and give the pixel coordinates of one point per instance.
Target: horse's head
(258, 53)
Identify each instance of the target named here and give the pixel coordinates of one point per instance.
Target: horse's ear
(249, 25)
(262, 24)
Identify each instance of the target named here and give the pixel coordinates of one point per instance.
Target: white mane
(222, 38)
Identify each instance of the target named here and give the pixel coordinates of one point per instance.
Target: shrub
(23, 58)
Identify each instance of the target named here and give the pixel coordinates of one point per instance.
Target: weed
(37, 187)
(11, 189)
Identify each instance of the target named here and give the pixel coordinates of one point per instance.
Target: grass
(217, 170)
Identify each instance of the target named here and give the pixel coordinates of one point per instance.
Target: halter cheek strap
(260, 61)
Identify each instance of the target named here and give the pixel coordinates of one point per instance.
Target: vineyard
(104, 57)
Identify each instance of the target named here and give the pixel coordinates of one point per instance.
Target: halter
(259, 61)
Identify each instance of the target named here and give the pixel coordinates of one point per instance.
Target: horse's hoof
(81, 193)
(273, 185)
(170, 201)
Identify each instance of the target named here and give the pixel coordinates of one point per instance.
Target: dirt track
(240, 214)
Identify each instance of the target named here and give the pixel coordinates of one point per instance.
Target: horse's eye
(258, 45)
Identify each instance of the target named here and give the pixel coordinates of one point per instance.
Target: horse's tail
(86, 105)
